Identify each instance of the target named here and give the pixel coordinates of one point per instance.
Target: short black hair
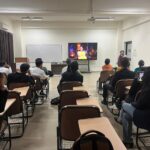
(125, 62)
(38, 62)
(141, 63)
(24, 67)
(74, 66)
(107, 61)
(2, 63)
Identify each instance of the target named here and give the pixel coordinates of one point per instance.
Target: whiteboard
(48, 53)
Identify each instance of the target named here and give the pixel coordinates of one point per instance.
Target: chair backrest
(38, 83)
(104, 75)
(68, 97)
(92, 140)
(69, 85)
(17, 107)
(120, 87)
(69, 116)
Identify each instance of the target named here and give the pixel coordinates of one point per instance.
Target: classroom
(74, 75)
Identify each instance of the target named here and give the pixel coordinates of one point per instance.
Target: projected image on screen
(82, 51)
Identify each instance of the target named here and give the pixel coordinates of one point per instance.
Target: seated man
(72, 75)
(142, 103)
(21, 77)
(69, 75)
(37, 71)
(4, 68)
(124, 73)
(107, 66)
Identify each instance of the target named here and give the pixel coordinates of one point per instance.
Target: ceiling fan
(102, 18)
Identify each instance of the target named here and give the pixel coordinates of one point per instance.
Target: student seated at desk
(5, 68)
(3, 92)
(124, 73)
(21, 77)
(71, 75)
(140, 68)
(107, 66)
(129, 110)
(37, 71)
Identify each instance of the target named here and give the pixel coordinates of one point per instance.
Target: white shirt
(35, 71)
(64, 69)
(5, 70)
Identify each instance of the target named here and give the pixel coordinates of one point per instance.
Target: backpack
(92, 140)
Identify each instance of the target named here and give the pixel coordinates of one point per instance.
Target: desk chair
(28, 99)
(119, 93)
(4, 140)
(68, 85)
(68, 128)
(69, 97)
(17, 109)
(104, 75)
(41, 86)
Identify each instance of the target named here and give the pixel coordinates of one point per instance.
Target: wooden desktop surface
(89, 101)
(103, 125)
(82, 88)
(22, 90)
(9, 102)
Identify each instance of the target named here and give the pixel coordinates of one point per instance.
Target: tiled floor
(40, 133)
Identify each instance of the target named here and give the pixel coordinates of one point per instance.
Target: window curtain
(6, 47)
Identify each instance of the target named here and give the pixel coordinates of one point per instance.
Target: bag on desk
(3, 99)
(92, 140)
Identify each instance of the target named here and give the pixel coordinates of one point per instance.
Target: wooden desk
(89, 101)
(103, 125)
(9, 103)
(82, 88)
(22, 90)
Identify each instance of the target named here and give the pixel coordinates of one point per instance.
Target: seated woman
(142, 103)
(107, 66)
(3, 92)
(141, 65)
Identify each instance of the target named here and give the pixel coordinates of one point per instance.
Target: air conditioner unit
(3, 26)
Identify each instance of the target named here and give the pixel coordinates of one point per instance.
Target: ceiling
(74, 10)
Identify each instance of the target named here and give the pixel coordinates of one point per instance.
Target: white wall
(104, 34)
(137, 30)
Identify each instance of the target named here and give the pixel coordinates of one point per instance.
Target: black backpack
(92, 140)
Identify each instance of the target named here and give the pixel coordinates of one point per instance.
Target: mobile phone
(140, 76)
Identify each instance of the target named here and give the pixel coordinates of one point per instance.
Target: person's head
(24, 68)
(2, 80)
(74, 66)
(68, 61)
(125, 62)
(146, 77)
(107, 61)
(2, 64)
(141, 63)
(39, 62)
(122, 52)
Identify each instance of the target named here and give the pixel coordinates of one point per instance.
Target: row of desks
(23, 91)
(101, 124)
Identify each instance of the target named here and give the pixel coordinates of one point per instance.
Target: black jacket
(19, 78)
(71, 76)
(143, 101)
(122, 74)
